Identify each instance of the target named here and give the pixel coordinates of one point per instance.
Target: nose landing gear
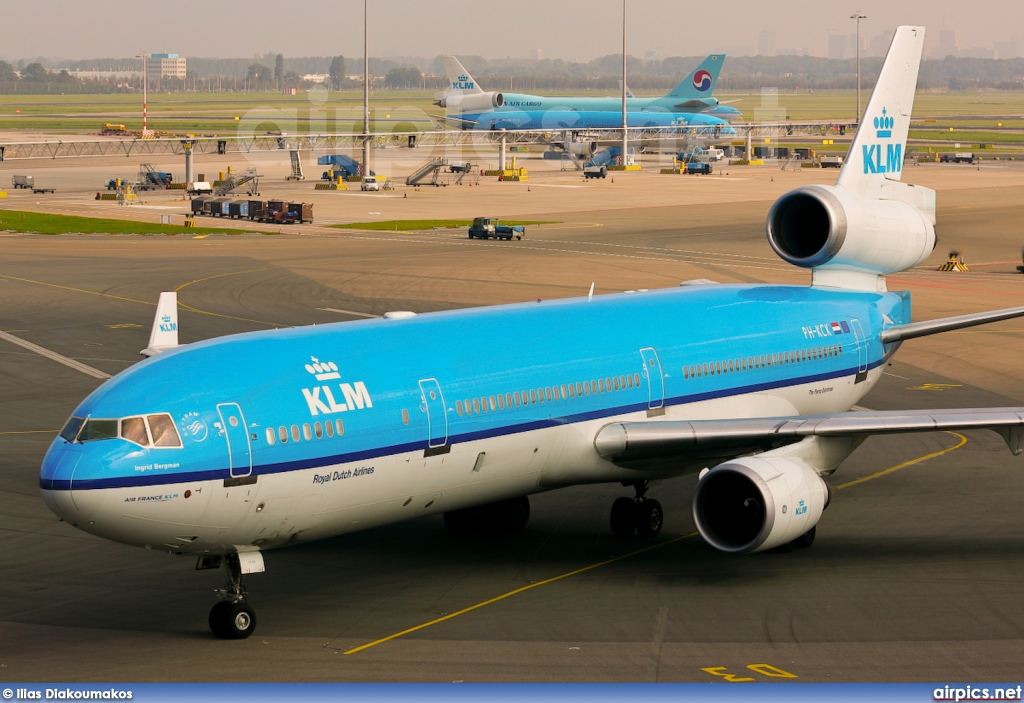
(232, 618)
(640, 515)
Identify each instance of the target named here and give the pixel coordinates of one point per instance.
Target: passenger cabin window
(271, 436)
(341, 425)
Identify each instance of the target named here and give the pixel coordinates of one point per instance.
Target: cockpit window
(165, 434)
(70, 431)
(134, 430)
(98, 429)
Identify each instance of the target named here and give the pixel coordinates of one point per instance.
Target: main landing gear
(639, 515)
(232, 618)
(510, 515)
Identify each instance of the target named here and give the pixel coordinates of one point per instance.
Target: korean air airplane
(702, 124)
(229, 448)
(694, 95)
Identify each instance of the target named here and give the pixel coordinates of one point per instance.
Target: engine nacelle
(756, 503)
(579, 148)
(828, 227)
(472, 101)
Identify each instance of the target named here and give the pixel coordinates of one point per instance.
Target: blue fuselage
(347, 416)
(578, 119)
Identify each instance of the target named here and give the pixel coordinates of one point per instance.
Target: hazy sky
(568, 29)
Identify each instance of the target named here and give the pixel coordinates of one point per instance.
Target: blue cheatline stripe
(376, 452)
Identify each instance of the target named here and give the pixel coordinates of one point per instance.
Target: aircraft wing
(650, 443)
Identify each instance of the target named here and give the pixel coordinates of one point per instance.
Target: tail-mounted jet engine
(829, 227)
(472, 101)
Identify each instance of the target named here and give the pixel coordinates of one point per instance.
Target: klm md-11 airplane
(234, 446)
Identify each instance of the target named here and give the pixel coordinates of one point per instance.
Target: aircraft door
(236, 432)
(655, 378)
(437, 412)
(862, 350)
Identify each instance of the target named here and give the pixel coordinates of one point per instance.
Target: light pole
(366, 97)
(858, 16)
(145, 87)
(625, 121)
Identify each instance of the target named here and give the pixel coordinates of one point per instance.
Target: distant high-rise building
(540, 54)
(879, 44)
(166, 66)
(1008, 49)
(766, 43)
(949, 42)
(837, 46)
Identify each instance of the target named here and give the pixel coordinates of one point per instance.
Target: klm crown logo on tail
(463, 82)
(877, 159)
(167, 324)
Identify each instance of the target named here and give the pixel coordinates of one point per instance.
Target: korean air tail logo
(463, 83)
(702, 80)
(878, 159)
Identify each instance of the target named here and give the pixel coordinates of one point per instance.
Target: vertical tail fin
(701, 83)
(164, 335)
(459, 80)
(876, 155)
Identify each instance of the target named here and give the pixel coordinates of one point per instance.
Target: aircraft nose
(55, 480)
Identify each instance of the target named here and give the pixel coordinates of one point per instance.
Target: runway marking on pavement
(517, 592)
(30, 432)
(905, 464)
(153, 304)
(348, 312)
(217, 314)
(553, 579)
(696, 261)
(59, 358)
(78, 290)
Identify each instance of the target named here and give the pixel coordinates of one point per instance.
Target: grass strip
(45, 223)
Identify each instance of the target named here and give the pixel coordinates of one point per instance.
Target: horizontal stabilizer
(946, 324)
(164, 335)
(631, 442)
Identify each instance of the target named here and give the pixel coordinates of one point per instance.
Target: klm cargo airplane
(228, 448)
(694, 95)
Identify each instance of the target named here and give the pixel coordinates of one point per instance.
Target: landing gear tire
(232, 621)
(650, 518)
(805, 540)
(516, 514)
(624, 517)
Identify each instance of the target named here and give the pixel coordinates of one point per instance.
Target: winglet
(701, 83)
(164, 335)
(876, 155)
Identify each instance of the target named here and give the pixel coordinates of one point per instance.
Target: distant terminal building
(166, 66)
